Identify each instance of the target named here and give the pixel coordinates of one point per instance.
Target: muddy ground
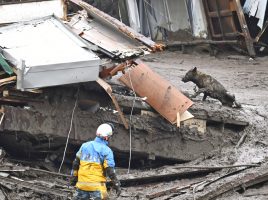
(245, 77)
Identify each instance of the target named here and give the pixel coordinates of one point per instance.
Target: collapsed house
(61, 80)
(33, 60)
(241, 24)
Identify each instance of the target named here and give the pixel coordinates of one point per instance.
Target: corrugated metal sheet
(110, 41)
(117, 25)
(46, 53)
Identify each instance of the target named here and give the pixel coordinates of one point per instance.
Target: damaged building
(63, 74)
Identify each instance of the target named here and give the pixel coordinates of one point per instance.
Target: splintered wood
(108, 89)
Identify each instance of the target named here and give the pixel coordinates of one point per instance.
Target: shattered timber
(67, 67)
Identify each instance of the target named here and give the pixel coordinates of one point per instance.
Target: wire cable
(130, 124)
(70, 129)
(154, 9)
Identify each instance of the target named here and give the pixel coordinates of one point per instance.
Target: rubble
(212, 152)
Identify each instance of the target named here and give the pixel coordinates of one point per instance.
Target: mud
(240, 75)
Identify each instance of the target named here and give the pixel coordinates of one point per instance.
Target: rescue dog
(209, 86)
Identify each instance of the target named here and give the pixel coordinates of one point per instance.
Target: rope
(70, 129)
(130, 121)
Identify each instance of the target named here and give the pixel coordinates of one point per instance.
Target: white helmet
(105, 131)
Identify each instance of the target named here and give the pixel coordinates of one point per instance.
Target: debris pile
(61, 79)
(24, 182)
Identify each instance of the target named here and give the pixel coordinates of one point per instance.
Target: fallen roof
(110, 41)
(47, 48)
(117, 25)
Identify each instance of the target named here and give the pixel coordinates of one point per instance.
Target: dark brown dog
(210, 87)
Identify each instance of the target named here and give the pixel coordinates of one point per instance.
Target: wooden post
(244, 27)
(65, 8)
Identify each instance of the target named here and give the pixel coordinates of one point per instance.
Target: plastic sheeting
(197, 18)
(157, 16)
(133, 15)
(168, 14)
(256, 8)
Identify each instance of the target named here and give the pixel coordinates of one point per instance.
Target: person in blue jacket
(94, 161)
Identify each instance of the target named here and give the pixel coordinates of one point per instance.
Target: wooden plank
(223, 13)
(12, 78)
(256, 192)
(169, 191)
(119, 111)
(109, 91)
(220, 19)
(20, 99)
(244, 27)
(237, 182)
(234, 34)
(19, 94)
(197, 42)
(65, 9)
(186, 116)
(165, 177)
(8, 101)
(34, 187)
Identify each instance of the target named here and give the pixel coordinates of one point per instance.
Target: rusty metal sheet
(117, 25)
(111, 42)
(161, 95)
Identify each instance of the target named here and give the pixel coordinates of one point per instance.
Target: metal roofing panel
(48, 48)
(117, 25)
(107, 38)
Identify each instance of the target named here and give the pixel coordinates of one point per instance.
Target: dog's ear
(194, 69)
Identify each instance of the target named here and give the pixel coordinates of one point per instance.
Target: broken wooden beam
(20, 94)
(169, 191)
(12, 78)
(197, 42)
(237, 182)
(39, 189)
(165, 177)
(4, 168)
(13, 102)
(109, 91)
(256, 192)
(216, 167)
(244, 27)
